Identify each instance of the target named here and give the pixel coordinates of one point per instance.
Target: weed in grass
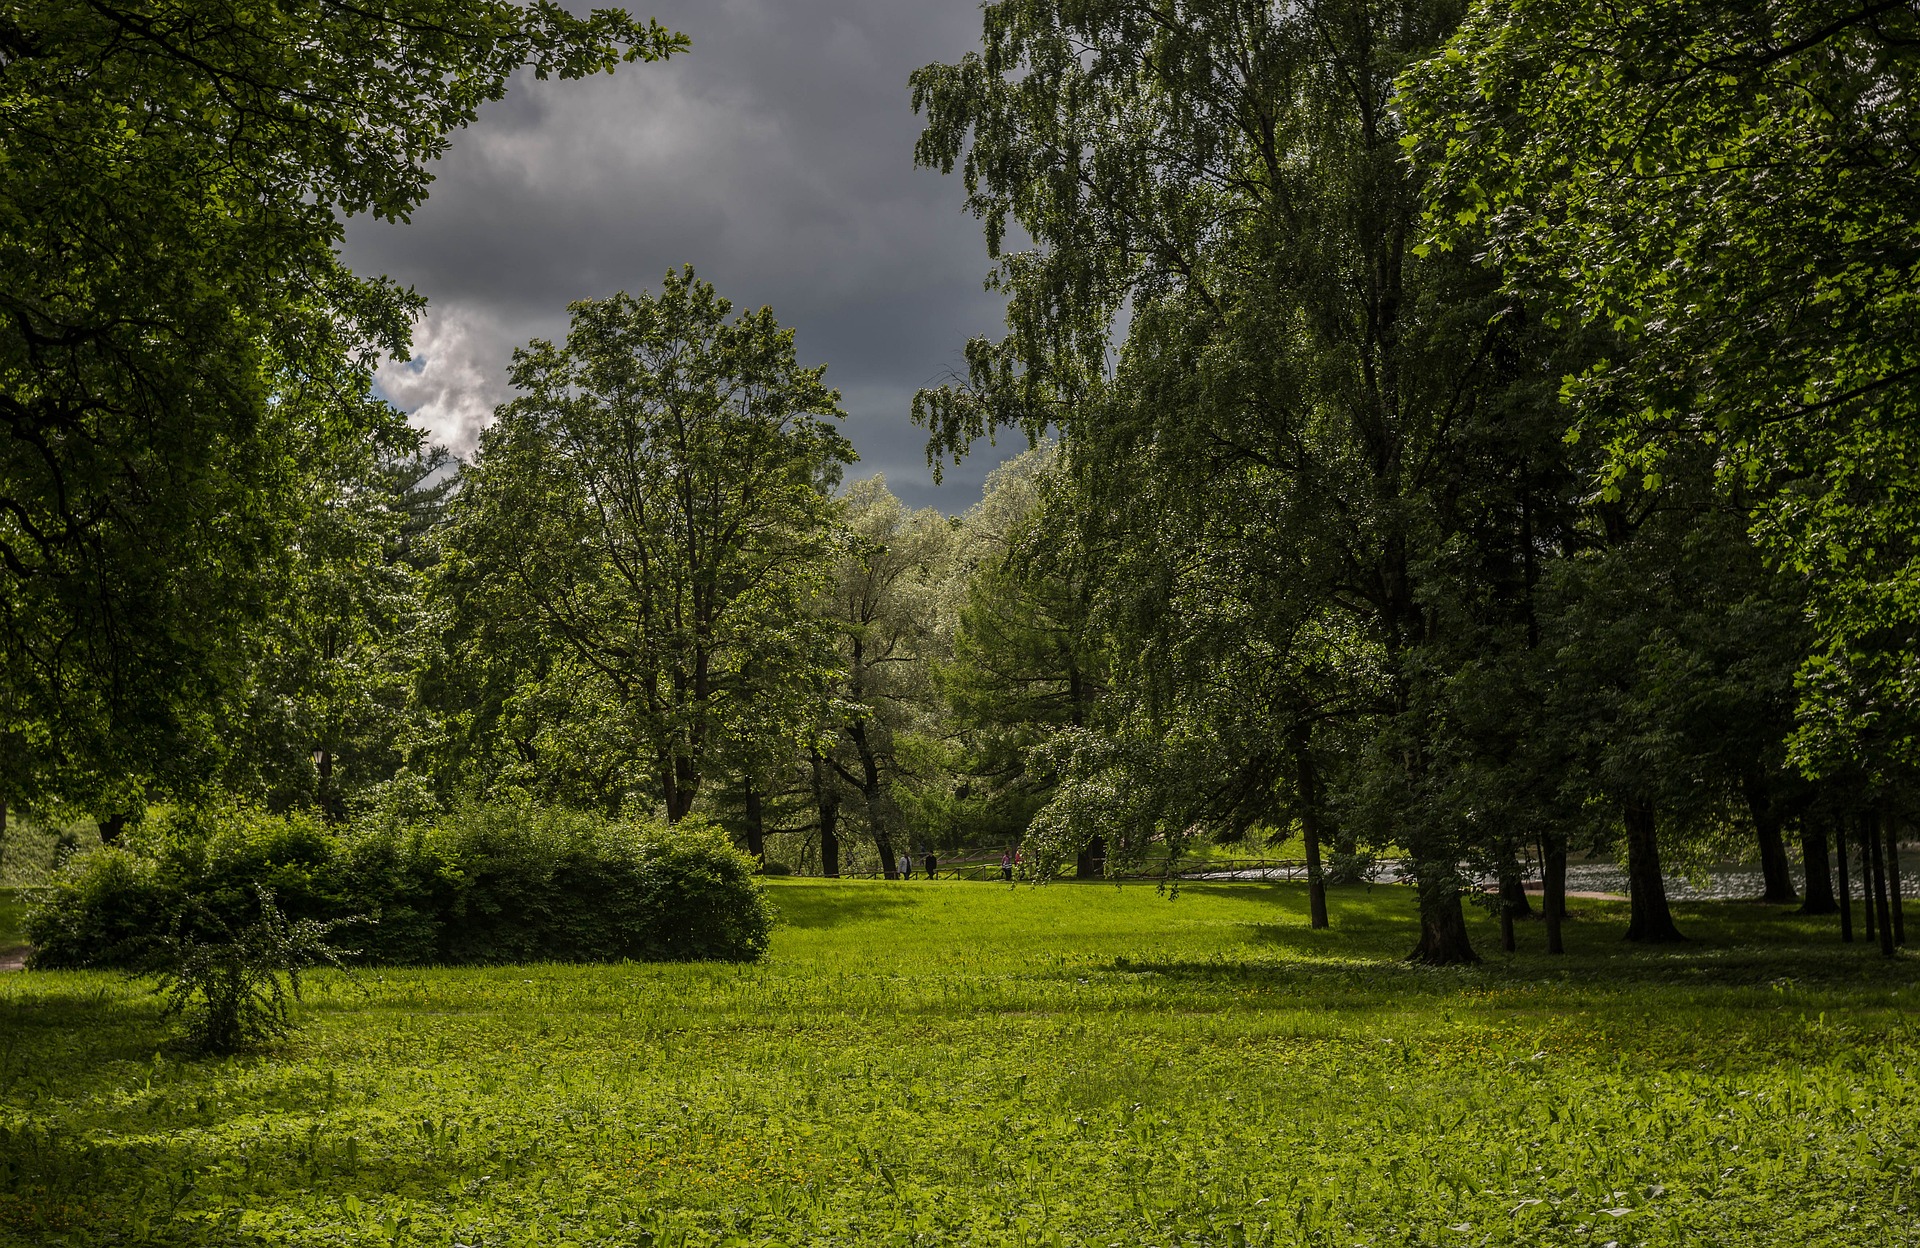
(951, 1063)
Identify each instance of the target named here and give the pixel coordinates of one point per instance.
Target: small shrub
(238, 992)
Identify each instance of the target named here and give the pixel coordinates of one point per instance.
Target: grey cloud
(776, 157)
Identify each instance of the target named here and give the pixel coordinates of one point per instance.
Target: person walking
(906, 866)
(1006, 865)
(933, 864)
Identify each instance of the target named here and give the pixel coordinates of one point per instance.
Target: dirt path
(13, 958)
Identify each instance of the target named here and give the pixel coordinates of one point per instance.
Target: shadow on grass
(1733, 946)
(816, 906)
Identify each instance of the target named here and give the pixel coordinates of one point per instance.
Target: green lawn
(970, 1064)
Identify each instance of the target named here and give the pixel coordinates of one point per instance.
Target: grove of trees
(1460, 435)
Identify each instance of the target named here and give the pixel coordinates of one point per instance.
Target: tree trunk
(1307, 777)
(1651, 921)
(1846, 888)
(827, 802)
(1443, 924)
(1091, 862)
(1813, 856)
(879, 818)
(1870, 832)
(1893, 884)
(1775, 870)
(1553, 893)
(3, 835)
(112, 826)
(1513, 889)
(685, 787)
(1865, 836)
(756, 823)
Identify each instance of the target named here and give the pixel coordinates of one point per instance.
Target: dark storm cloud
(776, 157)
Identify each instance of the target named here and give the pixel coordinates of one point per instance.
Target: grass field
(970, 1064)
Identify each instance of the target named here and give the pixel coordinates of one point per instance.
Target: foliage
(1087, 1064)
(237, 991)
(484, 884)
(1725, 189)
(888, 609)
(1304, 415)
(645, 528)
(177, 332)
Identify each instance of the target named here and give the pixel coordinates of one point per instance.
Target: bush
(237, 992)
(487, 884)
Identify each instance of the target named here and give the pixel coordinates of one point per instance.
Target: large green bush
(487, 884)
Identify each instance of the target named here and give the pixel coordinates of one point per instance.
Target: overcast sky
(776, 157)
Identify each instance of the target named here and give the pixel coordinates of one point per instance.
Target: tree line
(1481, 438)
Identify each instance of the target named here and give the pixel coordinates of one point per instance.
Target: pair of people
(906, 866)
(1009, 859)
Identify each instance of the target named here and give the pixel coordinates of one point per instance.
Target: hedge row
(488, 884)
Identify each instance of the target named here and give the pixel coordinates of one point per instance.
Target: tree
(886, 609)
(176, 327)
(330, 706)
(1228, 174)
(652, 515)
(1726, 188)
(1026, 662)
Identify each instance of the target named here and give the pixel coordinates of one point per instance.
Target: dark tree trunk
(1513, 890)
(1443, 924)
(1865, 837)
(1893, 884)
(1091, 862)
(1775, 870)
(1870, 833)
(3, 834)
(756, 823)
(1846, 888)
(1513, 900)
(1651, 921)
(1553, 893)
(827, 802)
(1813, 856)
(112, 826)
(1307, 777)
(879, 818)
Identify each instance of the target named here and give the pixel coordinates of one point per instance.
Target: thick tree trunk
(879, 818)
(756, 823)
(1819, 871)
(112, 826)
(1443, 924)
(1307, 777)
(1651, 922)
(1846, 888)
(1893, 884)
(827, 802)
(830, 843)
(1775, 870)
(1513, 889)
(1553, 893)
(1513, 900)
(3, 834)
(1091, 862)
(1870, 832)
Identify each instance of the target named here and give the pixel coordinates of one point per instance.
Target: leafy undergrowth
(953, 1063)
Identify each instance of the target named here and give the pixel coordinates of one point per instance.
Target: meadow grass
(948, 1063)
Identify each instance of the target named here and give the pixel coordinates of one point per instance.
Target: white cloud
(454, 380)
